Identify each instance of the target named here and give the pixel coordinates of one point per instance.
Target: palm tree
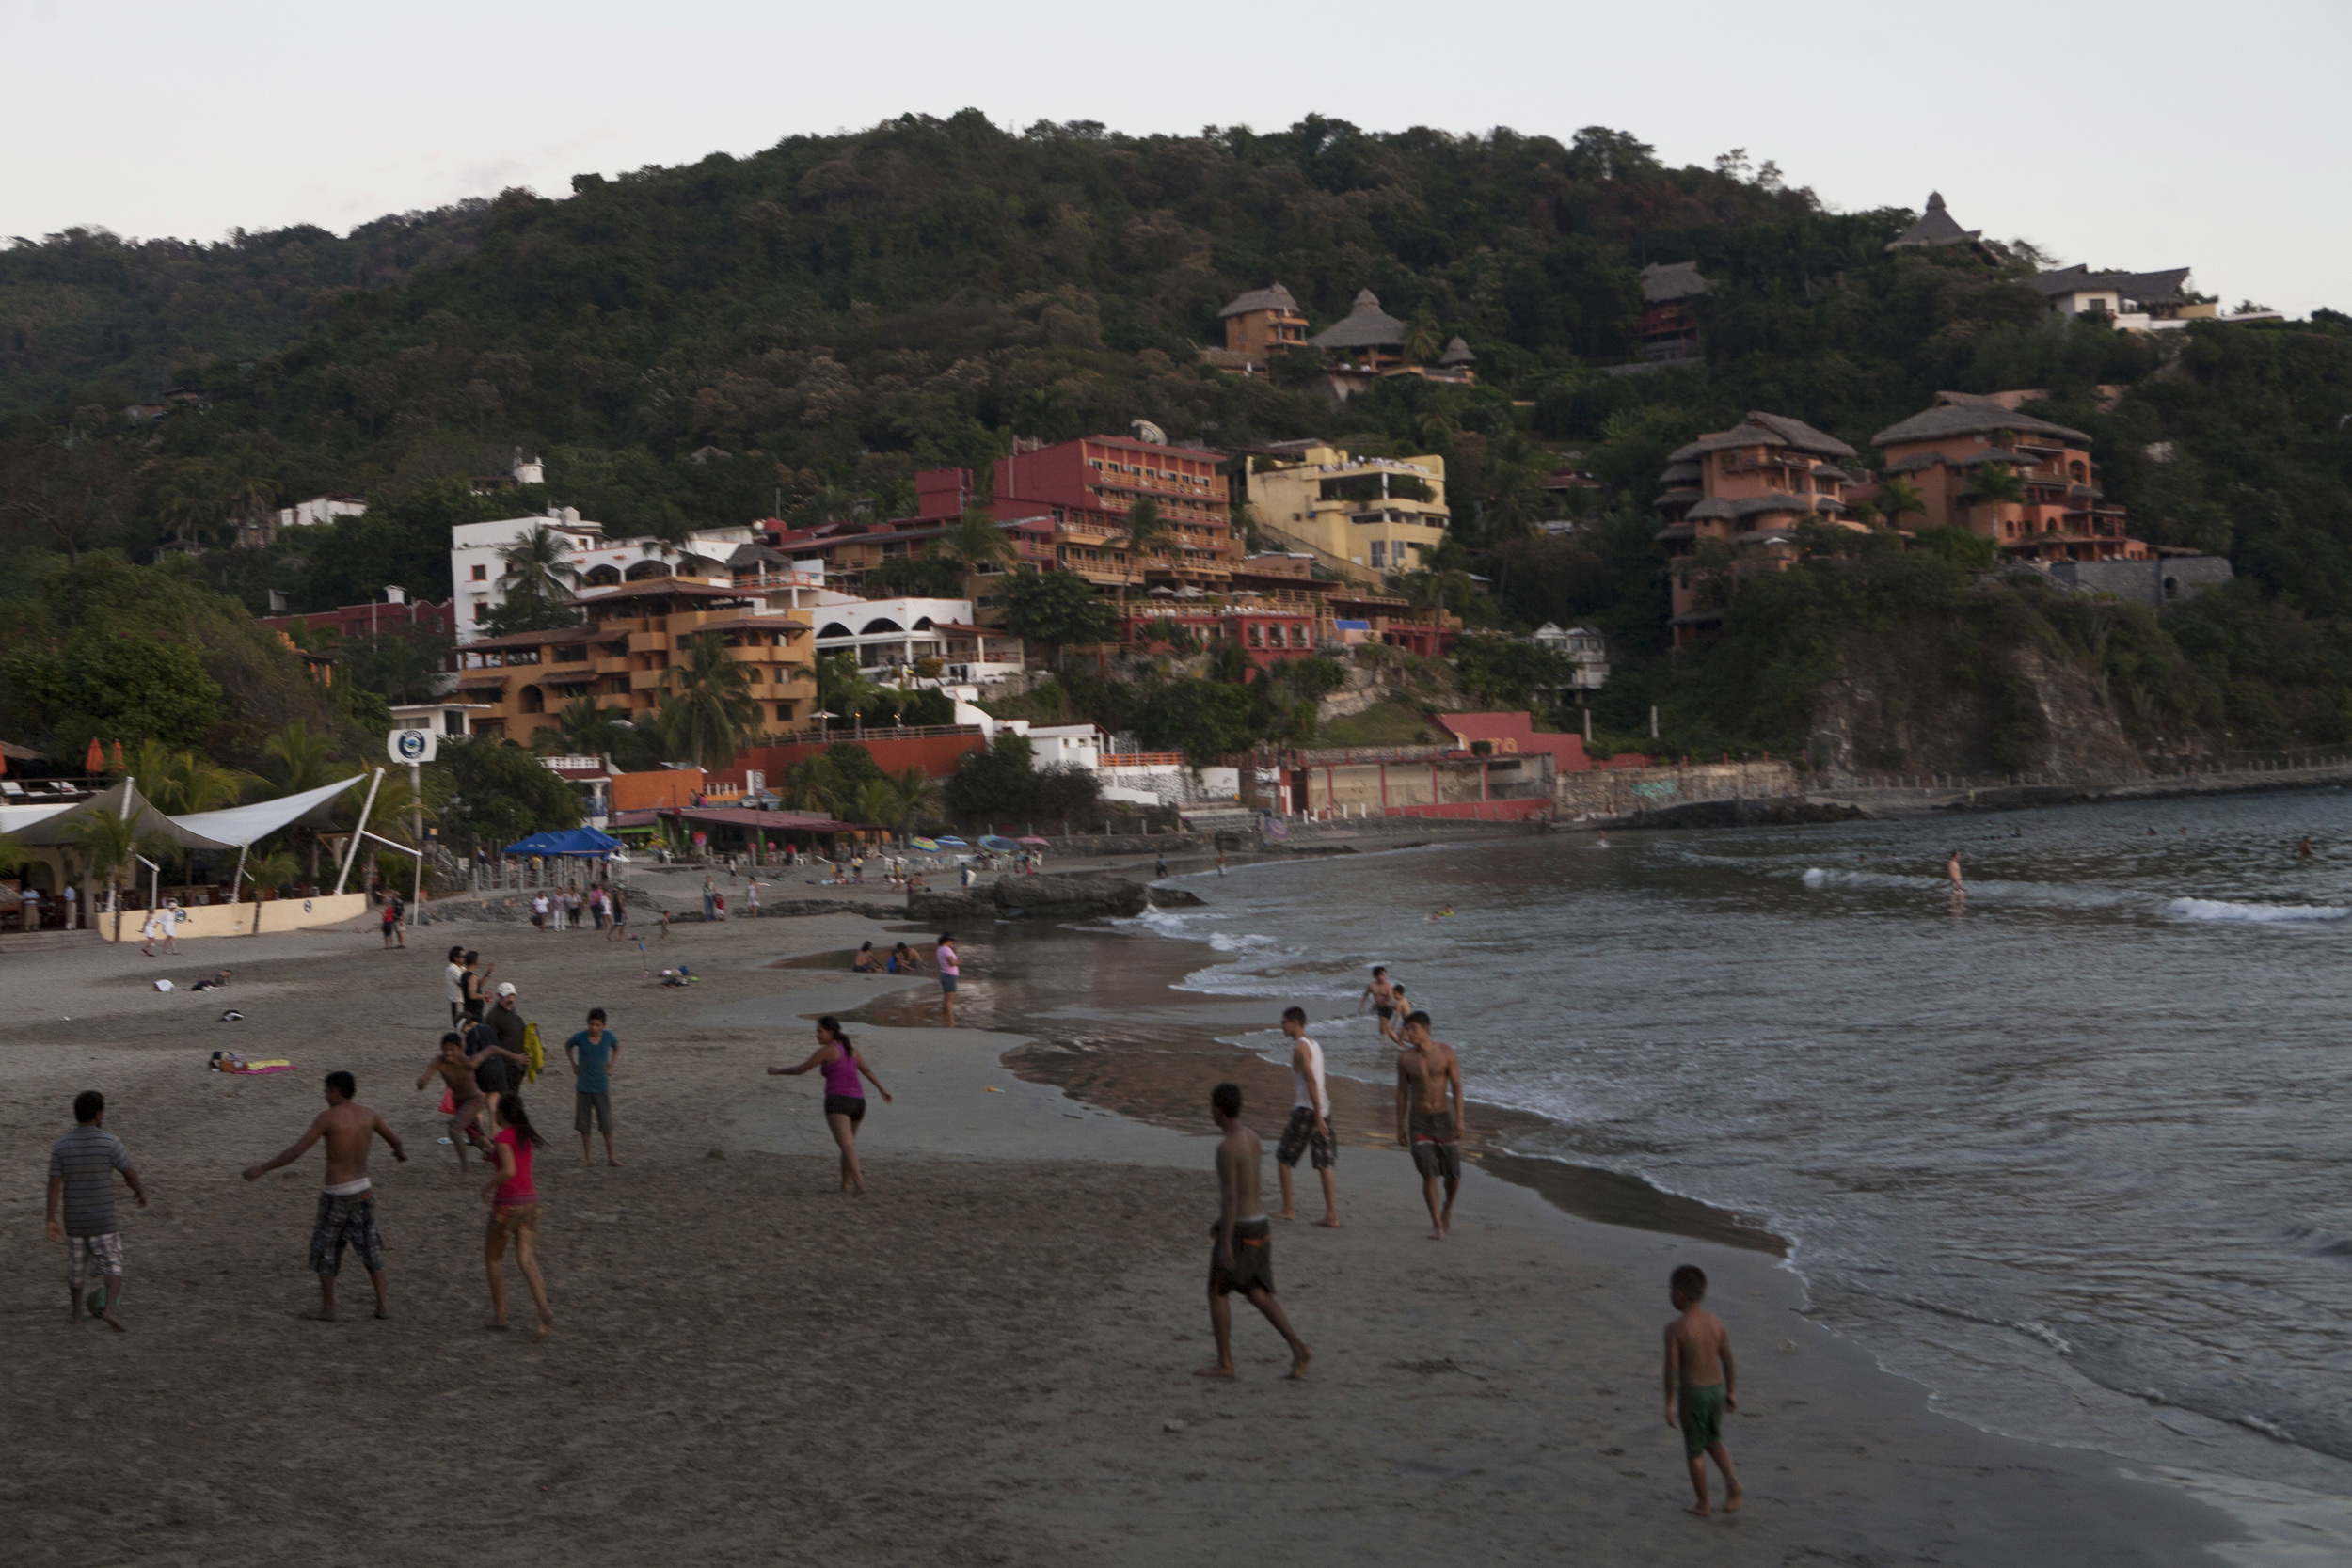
(294, 760)
(277, 870)
(878, 806)
(918, 795)
(1144, 532)
(843, 689)
(1999, 484)
(177, 783)
(584, 728)
(112, 845)
(538, 567)
(813, 784)
(1898, 497)
(975, 542)
(711, 714)
(187, 496)
(248, 483)
(1421, 337)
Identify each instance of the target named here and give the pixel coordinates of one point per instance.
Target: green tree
(95, 686)
(404, 662)
(584, 727)
(878, 806)
(1206, 719)
(994, 782)
(1423, 339)
(1997, 484)
(708, 713)
(249, 482)
(110, 845)
(814, 783)
(842, 688)
(501, 794)
(1897, 497)
(538, 579)
(1057, 609)
(975, 542)
(297, 758)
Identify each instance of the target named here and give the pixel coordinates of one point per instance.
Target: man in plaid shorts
(1309, 1127)
(346, 1212)
(82, 1166)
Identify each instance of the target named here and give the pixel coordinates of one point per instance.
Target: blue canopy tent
(575, 841)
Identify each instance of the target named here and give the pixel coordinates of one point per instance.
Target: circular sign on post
(410, 747)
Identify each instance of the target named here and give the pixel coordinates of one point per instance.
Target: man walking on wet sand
(1310, 1127)
(1427, 1071)
(346, 1212)
(1242, 1256)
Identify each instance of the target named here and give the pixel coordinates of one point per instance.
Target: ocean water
(2073, 1151)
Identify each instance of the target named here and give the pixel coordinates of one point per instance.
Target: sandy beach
(985, 1360)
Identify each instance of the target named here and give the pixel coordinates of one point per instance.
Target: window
(1257, 638)
(481, 573)
(1379, 553)
(478, 608)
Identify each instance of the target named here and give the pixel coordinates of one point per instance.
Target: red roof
(1511, 733)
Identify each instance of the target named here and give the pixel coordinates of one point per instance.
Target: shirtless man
(456, 1073)
(1382, 996)
(1241, 1257)
(346, 1215)
(1427, 1071)
(1951, 874)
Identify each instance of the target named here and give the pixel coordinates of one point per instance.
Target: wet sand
(985, 1360)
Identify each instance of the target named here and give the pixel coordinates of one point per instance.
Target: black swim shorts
(851, 1105)
(1300, 1136)
(1253, 1260)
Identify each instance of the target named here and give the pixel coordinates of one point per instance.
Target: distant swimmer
(1951, 872)
(1382, 996)
(1403, 1006)
(1601, 841)
(2303, 850)
(1443, 913)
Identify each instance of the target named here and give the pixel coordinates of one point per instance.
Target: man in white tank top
(1310, 1127)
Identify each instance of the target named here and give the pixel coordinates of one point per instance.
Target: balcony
(614, 664)
(648, 680)
(649, 642)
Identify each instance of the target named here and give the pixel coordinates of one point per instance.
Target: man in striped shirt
(81, 1180)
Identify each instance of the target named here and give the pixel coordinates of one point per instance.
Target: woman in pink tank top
(844, 1096)
(514, 1212)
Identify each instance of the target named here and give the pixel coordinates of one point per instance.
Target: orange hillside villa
(2061, 514)
(1748, 488)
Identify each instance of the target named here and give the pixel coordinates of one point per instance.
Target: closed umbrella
(96, 761)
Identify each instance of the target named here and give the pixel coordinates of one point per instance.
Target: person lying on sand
(346, 1214)
(1242, 1254)
(1701, 1384)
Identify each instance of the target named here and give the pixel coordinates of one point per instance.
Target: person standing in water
(1951, 872)
(950, 972)
(514, 1212)
(1426, 1073)
(346, 1214)
(1310, 1128)
(844, 1096)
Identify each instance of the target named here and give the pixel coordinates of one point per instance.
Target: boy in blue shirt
(591, 1052)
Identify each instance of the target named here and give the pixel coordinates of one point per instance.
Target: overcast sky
(2156, 135)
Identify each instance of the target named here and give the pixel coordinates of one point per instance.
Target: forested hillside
(839, 312)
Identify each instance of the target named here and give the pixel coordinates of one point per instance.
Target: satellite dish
(1146, 430)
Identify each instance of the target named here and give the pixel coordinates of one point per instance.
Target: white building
(1588, 649)
(477, 559)
(890, 635)
(320, 509)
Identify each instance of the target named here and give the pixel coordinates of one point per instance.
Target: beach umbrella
(999, 845)
(1032, 838)
(96, 761)
(953, 842)
(117, 767)
(927, 846)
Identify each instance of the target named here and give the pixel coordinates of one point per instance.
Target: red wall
(935, 754)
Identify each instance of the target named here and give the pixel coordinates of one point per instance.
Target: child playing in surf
(1701, 1384)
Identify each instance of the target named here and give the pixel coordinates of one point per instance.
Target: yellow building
(625, 654)
(1364, 512)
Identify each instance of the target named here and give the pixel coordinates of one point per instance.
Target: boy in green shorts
(1698, 1360)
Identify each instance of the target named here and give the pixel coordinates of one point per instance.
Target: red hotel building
(1088, 485)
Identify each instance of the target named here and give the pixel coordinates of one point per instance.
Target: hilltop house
(1256, 324)
(1935, 227)
(1670, 323)
(1747, 489)
(2062, 514)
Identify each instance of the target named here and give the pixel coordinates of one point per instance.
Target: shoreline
(1001, 1333)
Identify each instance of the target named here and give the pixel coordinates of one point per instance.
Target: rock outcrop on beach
(946, 906)
(1069, 897)
(1778, 812)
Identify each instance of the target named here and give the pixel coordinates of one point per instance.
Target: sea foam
(2216, 909)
